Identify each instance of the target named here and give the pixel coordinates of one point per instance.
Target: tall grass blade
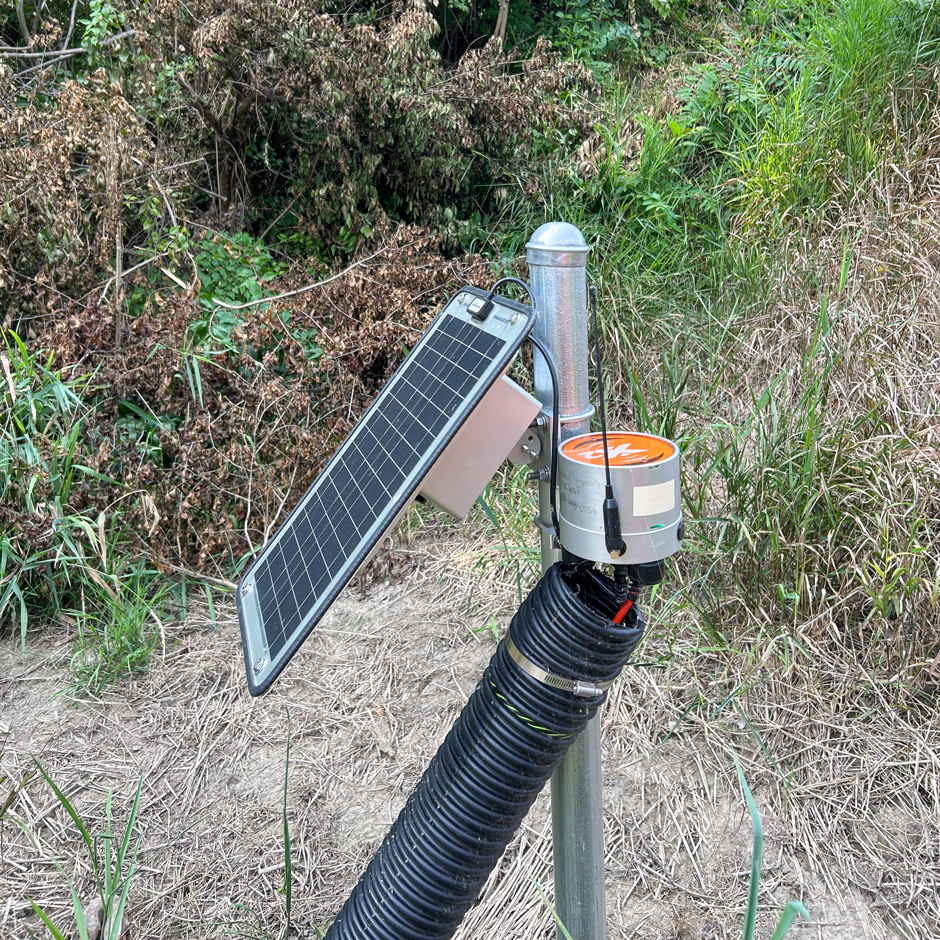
(286, 887)
(86, 838)
(750, 919)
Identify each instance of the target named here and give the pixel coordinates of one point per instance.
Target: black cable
(556, 428)
(512, 280)
(600, 382)
(486, 308)
(494, 761)
(610, 511)
(556, 424)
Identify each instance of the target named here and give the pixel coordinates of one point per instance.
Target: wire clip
(578, 687)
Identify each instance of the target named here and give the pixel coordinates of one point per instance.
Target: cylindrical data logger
(644, 472)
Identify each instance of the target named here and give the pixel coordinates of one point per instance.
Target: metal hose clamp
(577, 687)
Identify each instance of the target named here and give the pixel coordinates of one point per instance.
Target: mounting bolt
(246, 589)
(542, 475)
(259, 664)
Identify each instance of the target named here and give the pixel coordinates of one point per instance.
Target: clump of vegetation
(731, 169)
(45, 535)
(309, 124)
(113, 858)
(747, 272)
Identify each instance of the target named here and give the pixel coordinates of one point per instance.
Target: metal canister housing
(644, 472)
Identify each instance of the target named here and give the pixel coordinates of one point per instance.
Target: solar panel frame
(509, 322)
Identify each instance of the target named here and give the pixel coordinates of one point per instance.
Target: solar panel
(372, 476)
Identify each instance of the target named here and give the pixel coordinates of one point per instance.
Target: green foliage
(55, 555)
(103, 21)
(119, 623)
(592, 31)
(318, 126)
(113, 860)
(599, 32)
(231, 270)
(44, 540)
(791, 517)
(862, 91)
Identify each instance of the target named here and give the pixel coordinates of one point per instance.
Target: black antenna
(613, 541)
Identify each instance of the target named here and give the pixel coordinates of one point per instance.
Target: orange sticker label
(623, 449)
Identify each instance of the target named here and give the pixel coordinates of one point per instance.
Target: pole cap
(557, 245)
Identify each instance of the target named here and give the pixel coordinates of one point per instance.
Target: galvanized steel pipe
(557, 257)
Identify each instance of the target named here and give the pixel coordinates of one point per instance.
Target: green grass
(57, 558)
(807, 496)
(793, 908)
(113, 859)
(119, 624)
(862, 91)
(44, 541)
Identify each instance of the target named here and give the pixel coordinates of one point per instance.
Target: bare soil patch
(845, 768)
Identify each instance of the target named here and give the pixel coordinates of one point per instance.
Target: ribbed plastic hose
(493, 763)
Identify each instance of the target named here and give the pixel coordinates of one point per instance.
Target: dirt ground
(847, 782)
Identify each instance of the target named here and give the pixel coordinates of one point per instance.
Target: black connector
(482, 311)
(613, 540)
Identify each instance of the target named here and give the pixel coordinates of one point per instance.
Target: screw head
(259, 664)
(246, 589)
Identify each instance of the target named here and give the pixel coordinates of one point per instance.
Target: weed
(113, 864)
(45, 541)
(55, 555)
(508, 505)
(859, 96)
(119, 624)
(793, 908)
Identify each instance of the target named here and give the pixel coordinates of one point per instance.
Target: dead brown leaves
(226, 455)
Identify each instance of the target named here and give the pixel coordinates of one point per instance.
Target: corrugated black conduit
(494, 761)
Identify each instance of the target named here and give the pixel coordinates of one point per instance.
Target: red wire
(618, 617)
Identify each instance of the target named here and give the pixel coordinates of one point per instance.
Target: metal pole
(557, 257)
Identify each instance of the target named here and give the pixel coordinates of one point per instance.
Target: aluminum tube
(557, 257)
(578, 845)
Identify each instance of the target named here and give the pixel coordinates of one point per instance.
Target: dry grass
(847, 783)
(837, 727)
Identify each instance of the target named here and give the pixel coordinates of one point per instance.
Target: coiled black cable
(494, 761)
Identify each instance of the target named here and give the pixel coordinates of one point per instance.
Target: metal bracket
(527, 448)
(569, 419)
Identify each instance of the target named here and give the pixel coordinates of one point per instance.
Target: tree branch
(21, 19)
(300, 290)
(14, 52)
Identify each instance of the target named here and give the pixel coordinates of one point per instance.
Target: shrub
(348, 119)
(297, 119)
(70, 184)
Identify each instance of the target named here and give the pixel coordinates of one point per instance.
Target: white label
(652, 500)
